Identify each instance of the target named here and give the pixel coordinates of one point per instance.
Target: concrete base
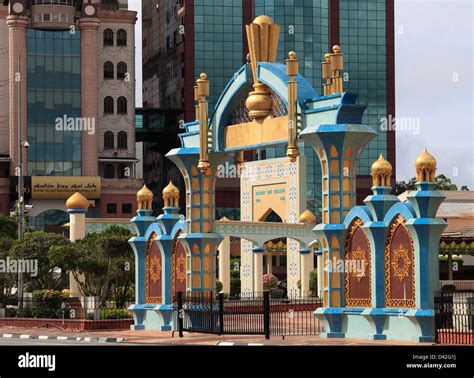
(153, 317)
(378, 324)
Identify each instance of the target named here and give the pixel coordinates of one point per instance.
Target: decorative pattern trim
(399, 272)
(358, 254)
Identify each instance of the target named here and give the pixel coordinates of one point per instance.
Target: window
(111, 208)
(109, 171)
(108, 105)
(122, 105)
(108, 140)
(121, 71)
(108, 70)
(108, 37)
(122, 140)
(121, 38)
(126, 208)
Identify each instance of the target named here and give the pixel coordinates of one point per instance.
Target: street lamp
(21, 211)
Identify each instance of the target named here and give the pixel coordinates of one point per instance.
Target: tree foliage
(442, 183)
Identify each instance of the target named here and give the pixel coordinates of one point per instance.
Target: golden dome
(171, 190)
(308, 217)
(145, 193)
(263, 20)
(425, 161)
(77, 201)
(336, 49)
(381, 166)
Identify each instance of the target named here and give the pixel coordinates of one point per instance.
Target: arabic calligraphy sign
(62, 187)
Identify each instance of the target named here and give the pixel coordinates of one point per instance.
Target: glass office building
(53, 90)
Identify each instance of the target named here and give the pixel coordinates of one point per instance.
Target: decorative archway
(399, 266)
(357, 272)
(153, 272)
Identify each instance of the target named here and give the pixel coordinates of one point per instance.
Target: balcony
(53, 14)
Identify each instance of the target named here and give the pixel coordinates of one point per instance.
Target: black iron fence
(454, 317)
(249, 314)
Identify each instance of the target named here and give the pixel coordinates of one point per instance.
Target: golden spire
(202, 92)
(262, 36)
(326, 68)
(336, 66)
(308, 217)
(292, 70)
(144, 198)
(171, 195)
(381, 172)
(425, 165)
(77, 201)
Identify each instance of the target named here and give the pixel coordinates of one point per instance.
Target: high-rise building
(68, 72)
(183, 38)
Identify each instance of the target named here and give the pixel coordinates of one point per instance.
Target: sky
(434, 64)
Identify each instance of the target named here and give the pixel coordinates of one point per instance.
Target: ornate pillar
(76, 206)
(338, 147)
(379, 203)
(198, 168)
(224, 264)
(141, 222)
(307, 265)
(320, 268)
(17, 29)
(89, 27)
(258, 269)
(426, 231)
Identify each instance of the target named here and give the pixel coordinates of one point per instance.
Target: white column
(257, 269)
(77, 230)
(269, 264)
(224, 264)
(320, 275)
(307, 265)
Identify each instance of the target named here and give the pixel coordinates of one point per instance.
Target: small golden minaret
(331, 71)
(144, 198)
(171, 195)
(381, 172)
(425, 165)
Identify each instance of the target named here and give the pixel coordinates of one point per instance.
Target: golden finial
(263, 20)
(291, 64)
(326, 74)
(308, 217)
(171, 195)
(262, 37)
(381, 172)
(144, 198)
(425, 165)
(337, 65)
(77, 201)
(202, 93)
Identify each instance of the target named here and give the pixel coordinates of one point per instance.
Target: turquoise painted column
(426, 231)
(376, 230)
(200, 239)
(338, 147)
(141, 222)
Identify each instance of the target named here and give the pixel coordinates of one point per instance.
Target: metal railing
(250, 314)
(454, 317)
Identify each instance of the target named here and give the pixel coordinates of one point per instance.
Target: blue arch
(361, 212)
(405, 209)
(154, 227)
(179, 226)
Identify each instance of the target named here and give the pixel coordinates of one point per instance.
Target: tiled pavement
(167, 338)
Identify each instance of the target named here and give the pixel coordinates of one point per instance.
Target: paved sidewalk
(167, 338)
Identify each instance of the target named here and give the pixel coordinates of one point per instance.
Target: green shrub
(114, 313)
(219, 286)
